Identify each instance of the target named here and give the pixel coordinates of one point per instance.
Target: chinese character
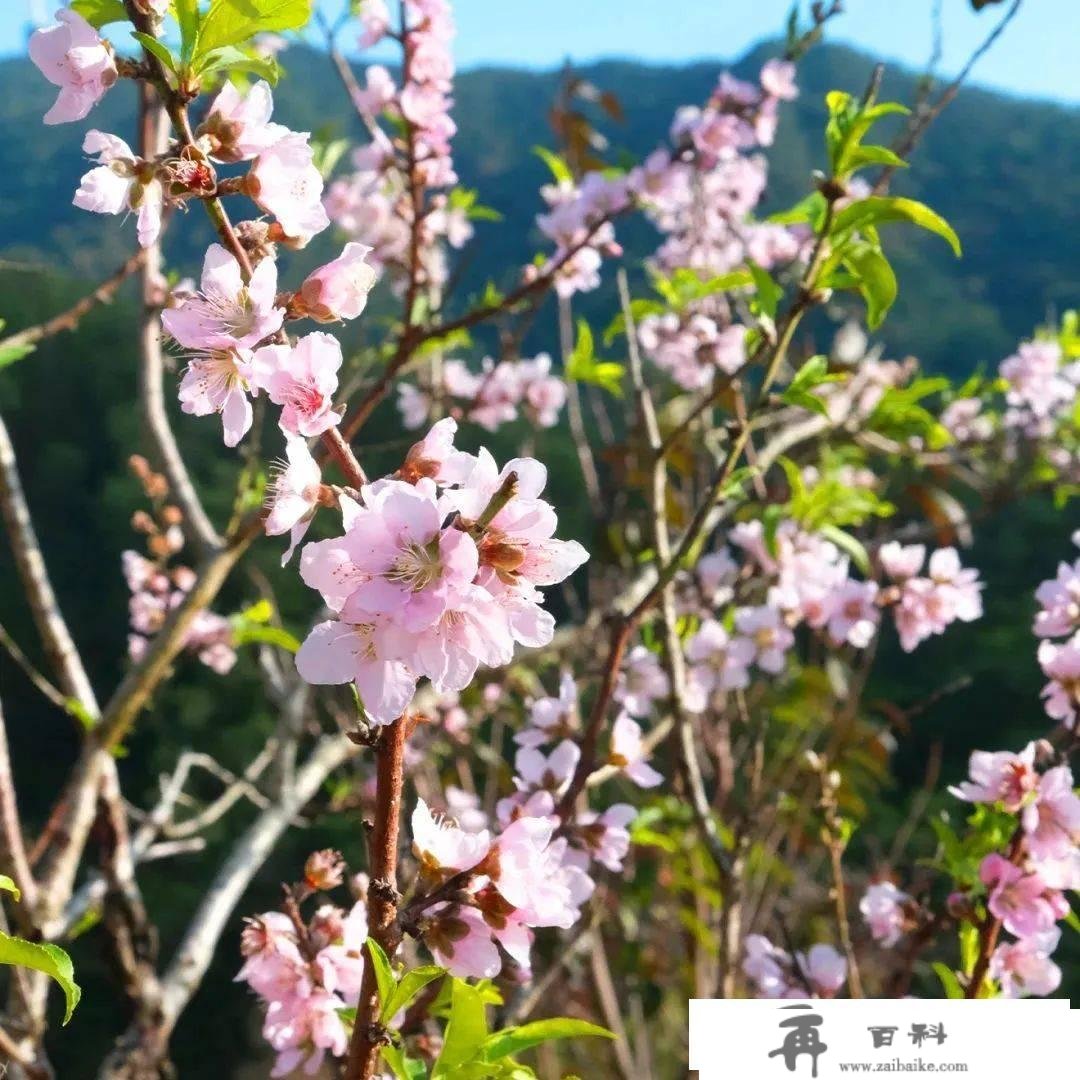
(882, 1035)
(801, 1039)
(921, 1032)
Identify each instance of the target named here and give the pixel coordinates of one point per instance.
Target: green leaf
(949, 982)
(384, 973)
(412, 982)
(266, 635)
(874, 278)
(9, 354)
(582, 365)
(7, 885)
(99, 13)
(466, 1030)
(158, 48)
(403, 1068)
(515, 1040)
(188, 16)
(848, 544)
(876, 155)
(559, 169)
(232, 22)
(50, 959)
(234, 60)
(769, 293)
(877, 209)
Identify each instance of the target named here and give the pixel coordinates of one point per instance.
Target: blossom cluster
(307, 973)
(1059, 617)
(438, 571)
(809, 582)
(490, 398)
(533, 869)
(282, 177)
(1026, 886)
(1041, 387)
(821, 971)
(382, 202)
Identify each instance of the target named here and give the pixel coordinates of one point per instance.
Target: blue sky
(1036, 58)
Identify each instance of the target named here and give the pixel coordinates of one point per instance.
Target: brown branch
(69, 319)
(383, 897)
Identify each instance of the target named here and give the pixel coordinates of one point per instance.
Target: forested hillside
(1004, 172)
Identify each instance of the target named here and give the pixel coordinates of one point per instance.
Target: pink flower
(719, 661)
(854, 615)
(1002, 777)
(767, 632)
(1024, 967)
(294, 495)
(928, 605)
(642, 682)
(882, 906)
(73, 57)
(302, 379)
(461, 941)
(219, 383)
(778, 79)
(628, 753)
(1052, 821)
(226, 313)
(121, 182)
(1021, 900)
(532, 874)
(519, 543)
(340, 652)
(1061, 664)
(1060, 600)
(824, 967)
(374, 16)
(238, 125)
(551, 773)
(444, 849)
(766, 965)
(411, 564)
(606, 836)
(339, 290)
(552, 718)
(434, 457)
(285, 183)
(380, 91)
(901, 562)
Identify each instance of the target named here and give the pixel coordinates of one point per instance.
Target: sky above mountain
(1036, 58)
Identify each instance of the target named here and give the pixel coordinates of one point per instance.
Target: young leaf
(466, 1030)
(878, 210)
(874, 278)
(158, 48)
(848, 544)
(99, 13)
(515, 1040)
(559, 169)
(403, 1068)
(187, 15)
(232, 22)
(949, 982)
(769, 293)
(7, 885)
(9, 354)
(412, 982)
(230, 58)
(384, 973)
(50, 959)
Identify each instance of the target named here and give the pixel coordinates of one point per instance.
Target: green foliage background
(1004, 172)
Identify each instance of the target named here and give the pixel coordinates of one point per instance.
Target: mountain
(1005, 172)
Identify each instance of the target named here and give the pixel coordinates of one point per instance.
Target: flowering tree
(690, 754)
